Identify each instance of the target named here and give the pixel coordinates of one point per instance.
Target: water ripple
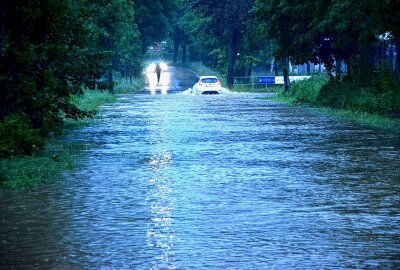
(215, 182)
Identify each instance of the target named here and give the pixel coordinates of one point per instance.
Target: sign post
(266, 80)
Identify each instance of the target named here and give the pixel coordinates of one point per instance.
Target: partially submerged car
(207, 85)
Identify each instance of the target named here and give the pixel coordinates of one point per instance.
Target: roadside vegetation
(376, 105)
(28, 159)
(55, 52)
(60, 60)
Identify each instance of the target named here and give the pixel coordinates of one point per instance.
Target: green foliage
(41, 167)
(308, 91)
(129, 86)
(58, 155)
(45, 60)
(222, 26)
(327, 31)
(343, 99)
(18, 136)
(51, 50)
(383, 97)
(202, 70)
(114, 30)
(91, 100)
(154, 18)
(339, 93)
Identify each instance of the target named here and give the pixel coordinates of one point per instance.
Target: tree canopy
(326, 30)
(52, 49)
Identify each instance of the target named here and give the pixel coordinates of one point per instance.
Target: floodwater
(178, 181)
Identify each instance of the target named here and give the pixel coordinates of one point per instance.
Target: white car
(207, 85)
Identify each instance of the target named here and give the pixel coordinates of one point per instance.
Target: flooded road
(180, 181)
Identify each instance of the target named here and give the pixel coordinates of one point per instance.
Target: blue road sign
(266, 80)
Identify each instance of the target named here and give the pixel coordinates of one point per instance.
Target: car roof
(208, 77)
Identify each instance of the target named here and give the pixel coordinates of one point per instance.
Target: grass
(375, 120)
(92, 100)
(59, 155)
(126, 86)
(256, 88)
(350, 102)
(42, 167)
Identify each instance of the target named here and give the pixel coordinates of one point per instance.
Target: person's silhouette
(158, 71)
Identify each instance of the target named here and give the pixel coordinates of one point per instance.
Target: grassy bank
(59, 155)
(124, 86)
(365, 105)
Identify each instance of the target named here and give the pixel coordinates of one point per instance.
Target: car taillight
(218, 82)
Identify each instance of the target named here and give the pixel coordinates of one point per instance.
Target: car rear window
(209, 80)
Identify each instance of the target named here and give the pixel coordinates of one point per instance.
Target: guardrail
(266, 80)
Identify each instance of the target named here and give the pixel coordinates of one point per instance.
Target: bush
(382, 96)
(335, 94)
(18, 136)
(304, 92)
(308, 91)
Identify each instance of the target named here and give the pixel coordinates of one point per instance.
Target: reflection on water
(161, 231)
(213, 182)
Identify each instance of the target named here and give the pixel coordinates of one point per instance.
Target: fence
(266, 80)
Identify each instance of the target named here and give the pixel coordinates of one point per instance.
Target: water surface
(213, 182)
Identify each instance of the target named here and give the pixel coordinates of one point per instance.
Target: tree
(50, 50)
(287, 24)
(43, 58)
(114, 32)
(225, 20)
(178, 35)
(153, 18)
(328, 31)
(387, 20)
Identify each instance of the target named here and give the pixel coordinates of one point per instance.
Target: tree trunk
(397, 63)
(2, 103)
(110, 82)
(232, 51)
(349, 72)
(249, 69)
(184, 53)
(131, 74)
(308, 68)
(337, 67)
(286, 74)
(176, 48)
(272, 66)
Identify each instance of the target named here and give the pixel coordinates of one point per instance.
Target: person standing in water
(158, 71)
